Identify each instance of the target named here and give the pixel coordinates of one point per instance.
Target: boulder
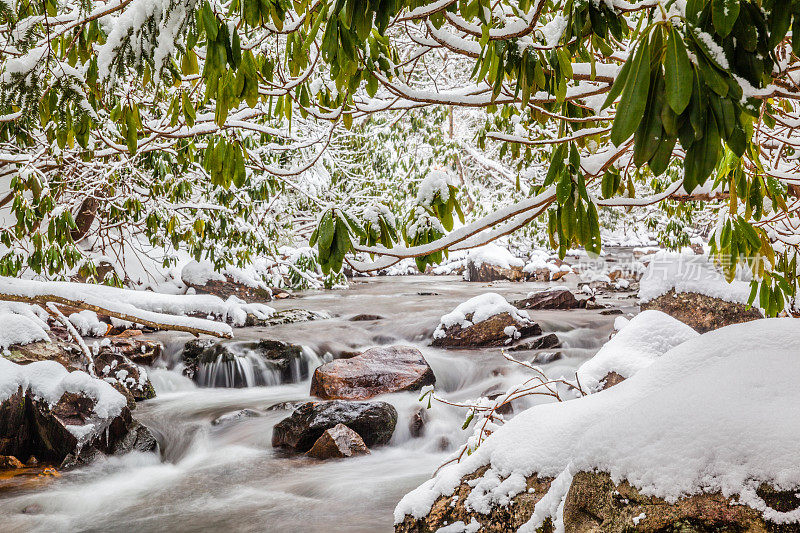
(701, 312)
(550, 299)
(501, 519)
(68, 433)
(595, 503)
(141, 352)
(490, 332)
(486, 272)
(9, 462)
(338, 442)
(114, 366)
(374, 421)
(214, 363)
(227, 287)
(376, 371)
(111, 363)
(544, 342)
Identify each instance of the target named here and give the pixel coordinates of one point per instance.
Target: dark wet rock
(449, 509)
(547, 357)
(29, 426)
(416, 427)
(284, 406)
(701, 312)
(200, 355)
(366, 318)
(428, 293)
(609, 312)
(544, 342)
(9, 462)
(595, 503)
(486, 272)
(374, 421)
(377, 371)
(287, 316)
(490, 332)
(241, 414)
(550, 299)
(338, 442)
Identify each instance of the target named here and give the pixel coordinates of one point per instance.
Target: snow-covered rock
(491, 263)
(636, 346)
(716, 414)
(63, 417)
(87, 323)
(20, 329)
(485, 320)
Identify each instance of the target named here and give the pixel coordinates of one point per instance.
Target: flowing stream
(227, 477)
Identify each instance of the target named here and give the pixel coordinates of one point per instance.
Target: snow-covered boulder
(64, 417)
(717, 415)
(377, 371)
(242, 283)
(636, 346)
(491, 263)
(485, 320)
(689, 288)
(373, 421)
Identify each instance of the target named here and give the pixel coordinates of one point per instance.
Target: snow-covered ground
(716, 412)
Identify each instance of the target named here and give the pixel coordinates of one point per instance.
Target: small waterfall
(244, 365)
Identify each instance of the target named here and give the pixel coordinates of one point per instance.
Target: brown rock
(230, 287)
(502, 519)
(551, 299)
(376, 371)
(338, 442)
(701, 312)
(490, 332)
(112, 365)
(9, 462)
(595, 504)
(611, 379)
(486, 272)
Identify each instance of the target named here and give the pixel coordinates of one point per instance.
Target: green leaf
(724, 14)
(634, 97)
(326, 227)
(619, 83)
(677, 73)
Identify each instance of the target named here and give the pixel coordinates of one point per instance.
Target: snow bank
(719, 412)
(492, 254)
(19, 329)
(48, 381)
(200, 273)
(687, 272)
(640, 341)
(87, 323)
(169, 309)
(481, 308)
